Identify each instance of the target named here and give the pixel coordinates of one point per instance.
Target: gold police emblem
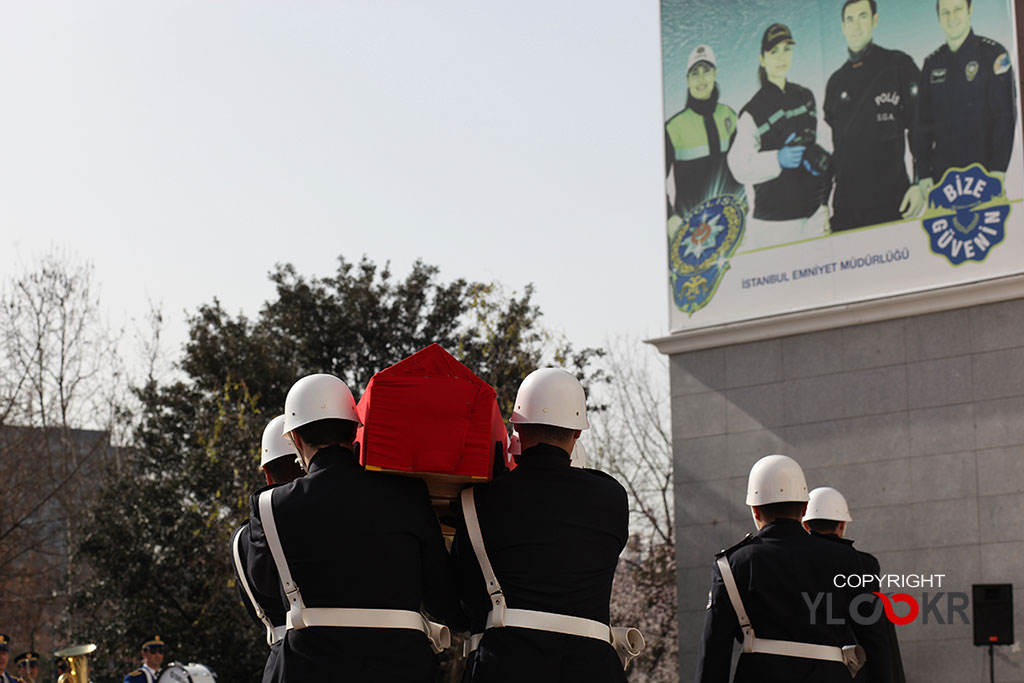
(971, 70)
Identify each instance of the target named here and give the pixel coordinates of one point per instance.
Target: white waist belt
(299, 616)
(628, 642)
(852, 656)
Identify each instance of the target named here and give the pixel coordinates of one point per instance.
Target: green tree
(157, 546)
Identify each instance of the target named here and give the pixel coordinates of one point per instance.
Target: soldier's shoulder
(745, 541)
(937, 53)
(989, 45)
(134, 676)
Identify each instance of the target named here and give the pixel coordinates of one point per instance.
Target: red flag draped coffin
(429, 416)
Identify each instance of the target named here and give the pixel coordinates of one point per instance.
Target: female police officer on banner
(776, 152)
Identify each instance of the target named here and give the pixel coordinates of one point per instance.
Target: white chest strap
(274, 633)
(628, 642)
(299, 616)
(852, 656)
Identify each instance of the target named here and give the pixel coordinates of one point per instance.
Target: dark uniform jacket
(967, 107)
(354, 538)
(870, 104)
(872, 567)
(696, 142)
(779, 571)
(795, 193)
(271, 603)
(553, 534)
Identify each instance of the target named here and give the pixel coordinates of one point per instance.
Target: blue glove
(791, 155)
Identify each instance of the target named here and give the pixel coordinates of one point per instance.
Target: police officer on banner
(152, 650)
(538, 547)
(774, 592)
(27, 664)
(967, 102)
(827, 515)
(279, 463)
(698, 138)
(356, 554)
(871, 106)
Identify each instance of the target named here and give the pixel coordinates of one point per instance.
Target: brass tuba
(76, 658)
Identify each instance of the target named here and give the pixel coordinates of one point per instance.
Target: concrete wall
(918, 421)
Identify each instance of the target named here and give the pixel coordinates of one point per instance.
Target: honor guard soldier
(28, 666)
(775, 593)
(871, 106)
(152, 657)
(967, 103)
(357, 554)
(538, 550)
(5, 655)
(827, 515)
(279, 464)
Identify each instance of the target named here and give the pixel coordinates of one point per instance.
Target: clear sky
(186, 146)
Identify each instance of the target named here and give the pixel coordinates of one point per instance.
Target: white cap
(551, 396)
(701, 53)
(776, 479)
(275, 444)
(318, 397)
(827, 503)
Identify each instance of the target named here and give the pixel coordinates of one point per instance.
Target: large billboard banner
(831, 152)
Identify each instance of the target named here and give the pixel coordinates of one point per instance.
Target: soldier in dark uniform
(553, 534)
(351, 540)
(785, 580)
(278, 463)
(967, 102)
(827, 516)
(5, 655)
(871, 106)
(28, 666)
(152, 650)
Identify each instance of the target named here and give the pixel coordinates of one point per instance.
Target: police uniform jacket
(872, 567)
(553, 534)
(696, 142)
(967, 107)
(8, 678)
(778, 571)
(273, 606)
(142, 675)
(358, 539)
(870, 104)
(768, 120)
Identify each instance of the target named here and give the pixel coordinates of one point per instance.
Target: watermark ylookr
(940, 608)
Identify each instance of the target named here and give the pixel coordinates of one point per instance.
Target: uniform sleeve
(243, 533)
(259, 561)
(910, 77)
(714, 656)
(828, 109)
(873, 637)
(922, 141)
(1001, 105)
(440, 592)
(749, 165)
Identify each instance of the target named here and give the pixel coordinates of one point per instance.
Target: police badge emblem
(966, 215)
(971, 70)
(700, 250)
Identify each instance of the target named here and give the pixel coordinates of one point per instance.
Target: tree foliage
(58, 380)
(632, 442)
(158, 539)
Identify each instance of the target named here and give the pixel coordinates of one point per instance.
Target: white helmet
(827, 503)
(578, 457)
(776, 479)
(275, 444)
(318, 397)
(551, 396)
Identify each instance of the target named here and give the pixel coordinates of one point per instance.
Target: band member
(152, 651)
